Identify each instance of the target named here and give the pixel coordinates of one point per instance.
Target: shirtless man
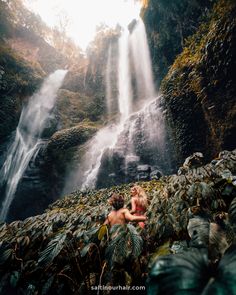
(121, 215)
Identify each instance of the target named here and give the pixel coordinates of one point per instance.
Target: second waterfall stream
(27, 140)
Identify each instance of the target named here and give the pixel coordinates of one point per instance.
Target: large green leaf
(136, 241)
(125, 241)
(46, 287)
(15, 276)
(86, 249)
(6, 252)
(232, 212)
(191, 273)
(178, 274)
(52, 249)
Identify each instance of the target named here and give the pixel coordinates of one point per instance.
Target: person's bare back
(121, 215)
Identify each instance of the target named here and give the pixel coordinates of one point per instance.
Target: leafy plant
(125, 243)
(52, 249)
(191, 273)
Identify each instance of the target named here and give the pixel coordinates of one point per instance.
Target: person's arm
(133, 205)
(130, 217)
(107, 221)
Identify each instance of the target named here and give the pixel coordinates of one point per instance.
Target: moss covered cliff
(168, 24)
(18, 79)
(199, 89)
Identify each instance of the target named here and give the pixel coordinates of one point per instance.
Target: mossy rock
(71, 137)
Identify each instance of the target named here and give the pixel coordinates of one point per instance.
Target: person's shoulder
(123, 210)
(111, 214)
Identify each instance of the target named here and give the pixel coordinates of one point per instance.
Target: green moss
(199, 89)
(19, 76)
(67, 138)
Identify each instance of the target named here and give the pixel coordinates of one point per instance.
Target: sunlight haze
(82, 17)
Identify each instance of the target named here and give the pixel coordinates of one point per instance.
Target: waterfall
(142, 62)
(140, 127)
(27, 140)
(108, 83)
(124, 77)
(85, 176)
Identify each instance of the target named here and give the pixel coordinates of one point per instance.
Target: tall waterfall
(108, 82)
(142, 62)
(124, 81)
(137, 107)
(27, 140)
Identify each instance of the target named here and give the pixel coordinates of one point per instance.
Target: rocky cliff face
(142, 151)
(199, 89)
(168, 24)
(44, 178)
(18, 79)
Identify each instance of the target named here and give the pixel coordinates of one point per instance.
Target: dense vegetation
(68, 250)
(188, 244)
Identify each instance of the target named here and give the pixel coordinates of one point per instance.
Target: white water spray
(108, 83)
(27, 140)
(124, 77)
(133, 48)
(142, 62)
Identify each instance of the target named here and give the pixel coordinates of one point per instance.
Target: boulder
(71, 137)
(194, 161)
(156, 174)
(143, 172)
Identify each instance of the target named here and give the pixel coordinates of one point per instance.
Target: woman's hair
(142, 199)
(117, 201)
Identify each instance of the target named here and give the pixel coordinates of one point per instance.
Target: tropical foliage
(68, 249)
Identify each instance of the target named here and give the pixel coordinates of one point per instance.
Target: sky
(84, 15)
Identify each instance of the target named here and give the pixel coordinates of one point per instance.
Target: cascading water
(124, 77)
(85, 177)
(116, 147)
(142, 62)
(108, 82)
(27, 140)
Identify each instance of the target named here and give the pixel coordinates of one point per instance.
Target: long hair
(142, 199)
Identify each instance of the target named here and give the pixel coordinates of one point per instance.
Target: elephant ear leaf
(53, 248)
(117, 250)
(199, 232)
(232, 212)
(225, 276)
(179, 274)
(136, 241)
(6, 252)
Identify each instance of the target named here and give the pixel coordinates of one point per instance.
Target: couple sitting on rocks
(121, 215)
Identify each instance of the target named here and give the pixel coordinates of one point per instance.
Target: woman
(139, 202)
